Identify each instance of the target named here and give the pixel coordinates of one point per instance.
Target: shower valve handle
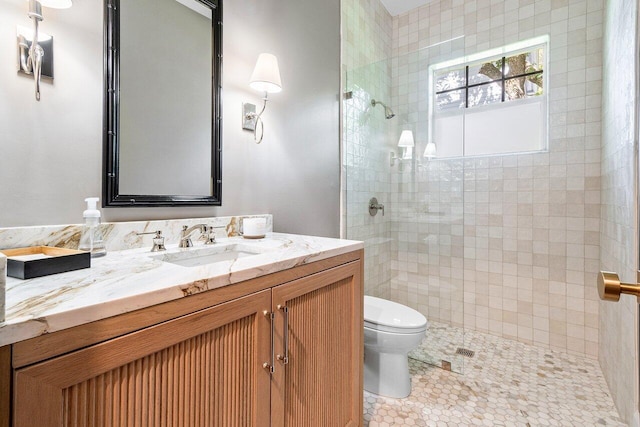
(374, 207)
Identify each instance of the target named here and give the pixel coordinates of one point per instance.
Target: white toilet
(391, 331)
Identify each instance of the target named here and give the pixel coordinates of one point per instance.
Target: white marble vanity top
(128, 280)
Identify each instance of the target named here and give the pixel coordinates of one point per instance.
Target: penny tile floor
(506, 383)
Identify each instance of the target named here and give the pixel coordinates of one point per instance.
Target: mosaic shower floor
(440, 344)
(506, 383)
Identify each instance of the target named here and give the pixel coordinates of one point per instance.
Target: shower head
(388, 112)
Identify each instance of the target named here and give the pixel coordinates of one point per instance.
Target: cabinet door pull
(285, 359)
(270, 366)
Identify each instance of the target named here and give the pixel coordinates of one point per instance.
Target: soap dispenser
(91, 239)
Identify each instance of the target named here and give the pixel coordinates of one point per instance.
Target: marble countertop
(129, 280)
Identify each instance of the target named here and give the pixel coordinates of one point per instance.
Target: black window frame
(466, 86)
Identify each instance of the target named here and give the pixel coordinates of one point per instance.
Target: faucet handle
(158, 240)
(210, 236)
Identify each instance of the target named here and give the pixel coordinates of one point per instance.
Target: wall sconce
(430, 150)
(406, 142)
(265, 78)
(30, 46)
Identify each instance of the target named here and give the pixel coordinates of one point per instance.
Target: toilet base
(387, 374)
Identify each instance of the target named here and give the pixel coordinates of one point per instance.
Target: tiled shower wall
(618, 231)
(366, 33)
(366, 47)
(524, 229)
(520, 231)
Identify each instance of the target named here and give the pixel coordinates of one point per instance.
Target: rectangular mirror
(162, 135)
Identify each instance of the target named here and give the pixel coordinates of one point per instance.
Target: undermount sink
(196, 257)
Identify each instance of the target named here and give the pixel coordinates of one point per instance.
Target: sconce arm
(36, 58)
(264, 105)
(25, 60)
(258, 118)
(32, 64)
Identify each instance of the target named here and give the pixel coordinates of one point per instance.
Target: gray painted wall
(51, 151)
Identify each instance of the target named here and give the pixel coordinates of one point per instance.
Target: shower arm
(388, 112)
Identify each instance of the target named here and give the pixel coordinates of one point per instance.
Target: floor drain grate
(465, 352)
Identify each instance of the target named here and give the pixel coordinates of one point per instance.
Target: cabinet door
(202, 369)
(321, 383)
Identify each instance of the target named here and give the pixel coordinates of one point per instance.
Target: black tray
(38, 261)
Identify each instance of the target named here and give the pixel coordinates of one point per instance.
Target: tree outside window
(494, 80)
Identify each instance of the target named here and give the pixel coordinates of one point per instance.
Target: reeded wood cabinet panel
(318, 374)
(203, 369)
(207, 368)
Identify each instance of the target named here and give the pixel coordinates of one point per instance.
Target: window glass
(523, 87)
(524, 63)
(452, 100)
(519, 75)
(476, 108)
(486, 94)
(450, 79)
(485, 72)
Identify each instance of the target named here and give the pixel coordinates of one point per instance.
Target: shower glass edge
(414, 253)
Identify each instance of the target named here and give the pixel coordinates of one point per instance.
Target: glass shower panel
(414, 253)
(366, 148)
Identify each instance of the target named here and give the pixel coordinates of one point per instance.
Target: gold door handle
(610, 287)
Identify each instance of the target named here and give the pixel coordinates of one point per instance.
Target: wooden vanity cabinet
(203, 369)
(212, 367)
(321, 383)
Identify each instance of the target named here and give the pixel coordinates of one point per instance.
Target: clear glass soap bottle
(91, 239)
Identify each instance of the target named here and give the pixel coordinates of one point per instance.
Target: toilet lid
(389, 316)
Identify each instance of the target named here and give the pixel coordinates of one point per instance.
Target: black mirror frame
(111, 196)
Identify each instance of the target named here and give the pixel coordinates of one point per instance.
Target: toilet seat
(388, 316)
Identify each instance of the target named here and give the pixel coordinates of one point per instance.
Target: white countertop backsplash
(118, 236)
(131, 279)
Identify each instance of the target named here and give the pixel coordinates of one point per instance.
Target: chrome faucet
(185, 234)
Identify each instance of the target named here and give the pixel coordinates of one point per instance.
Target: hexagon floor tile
(506, 383)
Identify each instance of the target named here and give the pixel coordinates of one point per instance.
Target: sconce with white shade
(406, 144)
(35, 48)
(265, 78)
(430, 150)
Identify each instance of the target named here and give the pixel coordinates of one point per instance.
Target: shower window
(503, 93)
(491, 80)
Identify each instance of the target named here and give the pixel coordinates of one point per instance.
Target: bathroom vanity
(270, 337)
